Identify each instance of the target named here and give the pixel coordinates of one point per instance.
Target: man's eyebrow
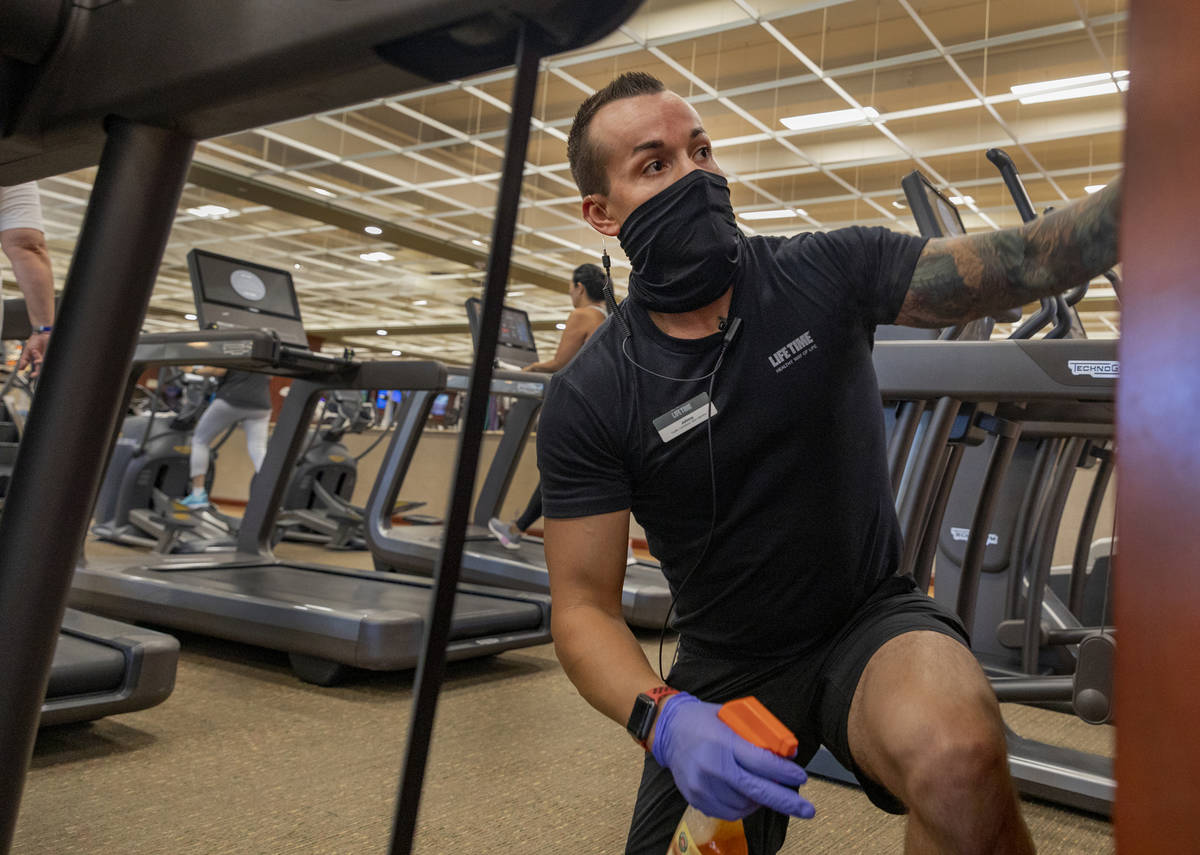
(649, 144)
(653, 144)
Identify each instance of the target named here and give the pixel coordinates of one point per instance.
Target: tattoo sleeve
(961, 278)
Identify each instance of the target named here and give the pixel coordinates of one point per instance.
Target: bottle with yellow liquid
(698, 834)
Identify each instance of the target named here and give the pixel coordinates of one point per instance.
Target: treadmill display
(515, 343)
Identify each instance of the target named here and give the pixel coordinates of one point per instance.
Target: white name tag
(683, 418)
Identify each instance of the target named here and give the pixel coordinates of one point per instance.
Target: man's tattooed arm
(961, 278)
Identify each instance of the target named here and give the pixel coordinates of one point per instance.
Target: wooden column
(1157, 594)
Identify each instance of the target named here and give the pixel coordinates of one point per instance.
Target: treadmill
(1033, 386)
(645, 596)
(328, 619)
(101, 667)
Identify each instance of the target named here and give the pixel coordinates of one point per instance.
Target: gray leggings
(219, 416)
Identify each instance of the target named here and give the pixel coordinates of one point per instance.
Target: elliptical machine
(149, 465)
(317, 506)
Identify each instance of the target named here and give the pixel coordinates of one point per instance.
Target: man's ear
(595, 211)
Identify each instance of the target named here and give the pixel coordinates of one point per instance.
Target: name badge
(683, 418)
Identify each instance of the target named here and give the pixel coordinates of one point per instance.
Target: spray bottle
(698, 834)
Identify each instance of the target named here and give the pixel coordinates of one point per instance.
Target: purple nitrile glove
(719, 773)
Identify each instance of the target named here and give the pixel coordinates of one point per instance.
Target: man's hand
(34, 352)
(719, 773)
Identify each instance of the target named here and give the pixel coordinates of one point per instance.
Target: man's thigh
(920, 691)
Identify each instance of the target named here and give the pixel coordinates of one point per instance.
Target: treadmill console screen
(515, 343)
(234, 293)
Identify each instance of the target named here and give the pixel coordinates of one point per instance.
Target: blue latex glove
(719, 773)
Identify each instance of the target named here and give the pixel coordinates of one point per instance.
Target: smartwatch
(645, 711)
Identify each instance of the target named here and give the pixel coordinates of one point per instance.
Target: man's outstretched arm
(962, 278)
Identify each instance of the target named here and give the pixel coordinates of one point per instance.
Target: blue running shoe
(196, 499)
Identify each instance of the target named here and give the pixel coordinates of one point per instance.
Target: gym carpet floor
(244, 758)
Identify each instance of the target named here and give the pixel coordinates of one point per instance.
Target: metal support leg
(432, 667)
(59, 466)
(1008, 435)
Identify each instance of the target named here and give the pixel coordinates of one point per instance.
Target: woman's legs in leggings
(215, 419)
(256, 437)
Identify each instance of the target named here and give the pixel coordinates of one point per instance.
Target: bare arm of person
(586, 557)
(577, 332)
(26, 249)
(961, 278)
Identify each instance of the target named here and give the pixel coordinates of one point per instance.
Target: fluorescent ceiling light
(775, 214)
(1071, 87)
(560, 326)
(189, 317)
(378, 255)
(373, 230)
(516, 293)
(420, 302)
(962, 200)
(831, 119)
(321, 191)
(397, 353)
(899, 206)
(298, 266)
(210, 211)
(1094, 188)
(380, 332)
(476, 242)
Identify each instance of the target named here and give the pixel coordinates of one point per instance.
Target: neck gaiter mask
(683, 244)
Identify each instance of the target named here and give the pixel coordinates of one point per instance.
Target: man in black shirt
(731, 405)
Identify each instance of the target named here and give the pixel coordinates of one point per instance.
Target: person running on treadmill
(778, 535)
(242, 397)
(23, 239)
(587, 298)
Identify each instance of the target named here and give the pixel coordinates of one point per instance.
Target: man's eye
(704, 152)
(654, 166)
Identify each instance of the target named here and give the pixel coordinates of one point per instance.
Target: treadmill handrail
(1004, 370)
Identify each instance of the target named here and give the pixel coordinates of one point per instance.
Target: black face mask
(683, 243)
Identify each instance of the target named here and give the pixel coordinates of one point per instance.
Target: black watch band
(645, 711)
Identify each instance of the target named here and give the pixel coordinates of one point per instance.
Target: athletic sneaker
(503, 532)
(195, 499)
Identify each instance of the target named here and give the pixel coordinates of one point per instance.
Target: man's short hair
(591, 278)
(583, 154)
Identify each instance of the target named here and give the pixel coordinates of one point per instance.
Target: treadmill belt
(333, 592)
(82, 667)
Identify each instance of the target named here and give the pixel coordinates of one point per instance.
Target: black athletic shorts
(810, 693)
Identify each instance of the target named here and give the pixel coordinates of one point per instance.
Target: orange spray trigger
(753, 722)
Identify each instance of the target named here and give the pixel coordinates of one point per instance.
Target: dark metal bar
(1033, 690)
(1026, 513)
(908, 417)
(914, 502)
(432, 667)
(937, 512)
(59, 466)
(271, 482)
(1087, 528)
(1008, 434)
(517, 425)
(1039, 575)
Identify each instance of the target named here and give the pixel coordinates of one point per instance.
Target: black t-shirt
(805, 522)
(247, 389)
